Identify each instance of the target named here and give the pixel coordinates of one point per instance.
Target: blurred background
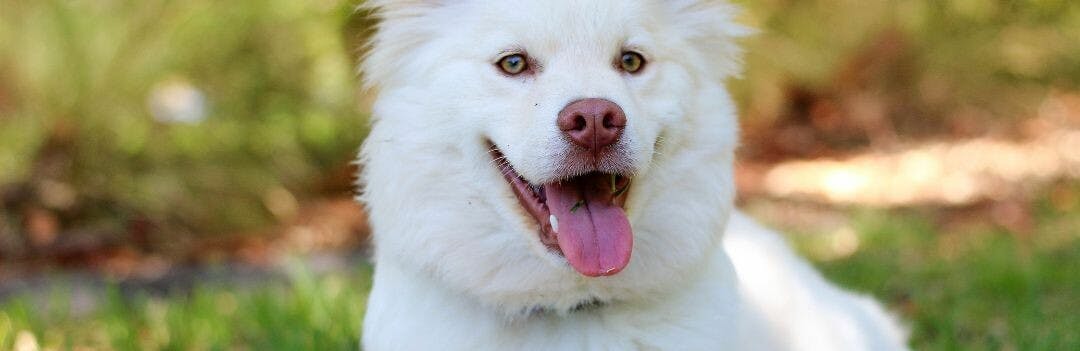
(178, 174)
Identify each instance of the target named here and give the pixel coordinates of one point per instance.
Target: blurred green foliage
(80, 81)
(77, 87)
(931, 64)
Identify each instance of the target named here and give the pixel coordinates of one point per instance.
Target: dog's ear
(399, 9)
(399, 29)
(712, 27)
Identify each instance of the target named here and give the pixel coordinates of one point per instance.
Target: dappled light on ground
(955, 172)
(948, 172)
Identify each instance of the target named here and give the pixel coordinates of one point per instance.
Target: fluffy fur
(458, 263)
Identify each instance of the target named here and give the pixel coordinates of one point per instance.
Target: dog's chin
(579, 215)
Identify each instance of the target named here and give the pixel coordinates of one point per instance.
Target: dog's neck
(585, 307)
(406, 300)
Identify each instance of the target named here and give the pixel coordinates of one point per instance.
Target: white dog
(557, 175)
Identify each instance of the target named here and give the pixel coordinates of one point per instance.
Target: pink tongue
(593, 231)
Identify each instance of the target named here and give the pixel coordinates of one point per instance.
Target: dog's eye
(514, 64)
(631, 62)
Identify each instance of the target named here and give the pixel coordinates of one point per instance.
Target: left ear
(400, 9)
(711, 26)
(401, 29)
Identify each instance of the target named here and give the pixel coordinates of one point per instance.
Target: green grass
(306, 313)
(973, 287)
(983, 291)
(977, 288)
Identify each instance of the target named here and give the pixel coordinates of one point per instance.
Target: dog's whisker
(502, 164)
(497, 160)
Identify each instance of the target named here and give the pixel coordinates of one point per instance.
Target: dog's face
(550, 153)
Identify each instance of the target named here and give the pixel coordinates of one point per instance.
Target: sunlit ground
(954, 172)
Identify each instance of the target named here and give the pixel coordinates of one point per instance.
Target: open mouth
(581, 217)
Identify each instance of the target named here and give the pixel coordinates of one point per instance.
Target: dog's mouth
(581, 217)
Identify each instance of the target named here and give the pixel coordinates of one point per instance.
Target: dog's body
(500, 127)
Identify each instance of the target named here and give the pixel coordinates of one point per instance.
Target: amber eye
(631, 62)
(513, 64)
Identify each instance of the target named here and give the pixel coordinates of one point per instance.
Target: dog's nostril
(609, 121)
(580, 123)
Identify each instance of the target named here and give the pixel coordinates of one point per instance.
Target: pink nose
(592, 123)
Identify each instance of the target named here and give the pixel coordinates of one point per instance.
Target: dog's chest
(454, 326)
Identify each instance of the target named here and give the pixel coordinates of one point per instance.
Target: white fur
(459, 265)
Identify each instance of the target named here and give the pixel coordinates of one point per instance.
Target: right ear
(399, 9)
(399, 31)
(711, 25)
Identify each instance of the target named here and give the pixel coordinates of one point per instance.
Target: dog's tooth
(554, 223)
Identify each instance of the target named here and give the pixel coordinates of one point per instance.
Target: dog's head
(549, 153)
